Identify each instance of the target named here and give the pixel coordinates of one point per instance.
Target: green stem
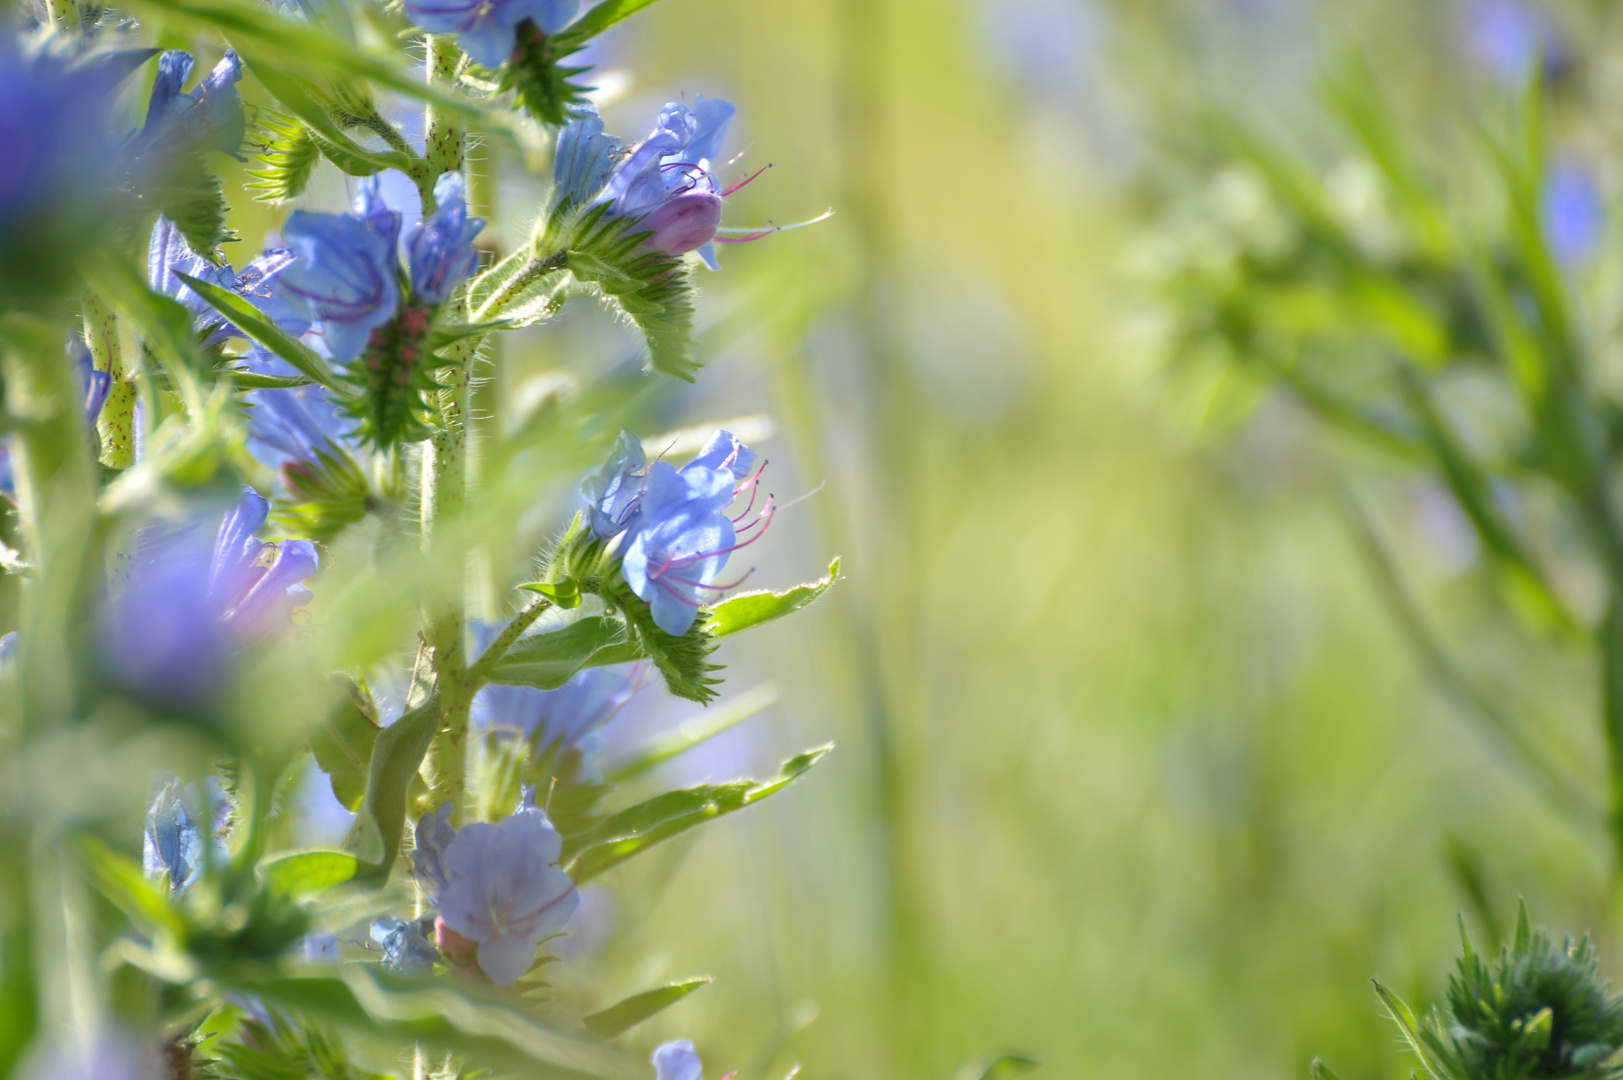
(116, 423)
(442, 145)
(1611, 665)
(525, 619)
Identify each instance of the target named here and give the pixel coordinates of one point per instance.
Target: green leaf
(120, 879)
(396, 756)
(597, 20)
(706, 726)
(1003, 1068)
(249, 25)
(165, 322)
(1318, 1070)
(305, 873)
(563, 594)
(683, 660)
(549, 660)
(343, 744)
(194, 199)
(253, 322)
(454, 332)
(289, 155)
(618, 1019)
(253, 380)
(301, 98)
(1404, 1017)
(441, 1016)
(632, 831)
(745, 610)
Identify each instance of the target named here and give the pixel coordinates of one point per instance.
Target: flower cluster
(498, 889)
(671, 525)
(185, 608)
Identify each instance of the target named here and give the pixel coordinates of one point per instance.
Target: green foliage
(617, 1019)
(1538, 1010)
(682, 660)
(630, 832)
(397, 753)
(252, 322)
(745, 611)
(194, 199)
(289, 155)
(301, 874)
(541, 85)
(284, 1048)
(549, 660)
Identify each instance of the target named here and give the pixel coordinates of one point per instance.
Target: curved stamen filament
(747, 180)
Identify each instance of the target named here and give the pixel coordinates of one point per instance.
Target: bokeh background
(1135, 773)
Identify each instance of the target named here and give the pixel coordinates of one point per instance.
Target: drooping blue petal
(440, 251)
(208, 118)
(724, 451)
(406, 948)
(584, 160)
(486, 28)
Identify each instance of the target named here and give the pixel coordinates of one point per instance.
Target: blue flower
(440, 250)
(666, 183)
(677, 1061)
(434, 835)
(172, 847)
(1511, 38)
(290, 430)
(681, 542)
(1573, 212)
(58, 164)
(168, 256)
(406, 948)
(614, 495)
(208, 118)
(486, 28)
(505, 891)
(346, 275)
(170, 633)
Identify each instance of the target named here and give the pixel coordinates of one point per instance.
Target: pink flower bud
(685, 223)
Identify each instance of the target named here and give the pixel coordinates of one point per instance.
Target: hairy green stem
(116, 423)
(443, 138)
(480, 671)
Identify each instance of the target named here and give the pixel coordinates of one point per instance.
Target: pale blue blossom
(346, 274)
(440, 250)
(677, 1061)
(486, 28)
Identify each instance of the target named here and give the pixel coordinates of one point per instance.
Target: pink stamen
(747, 180)
(750, 239)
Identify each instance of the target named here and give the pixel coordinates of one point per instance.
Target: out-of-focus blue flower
(208, 118)
(1511, 37)
(1574, 214)
(171, 844)
(56, 171)
(563, 719)
(406, 948)
(168, 256)
(320, 948)
(112, 1055)
(614, 495)
(434, 835)
(345, 276)
(677, 1061)
(440, 251)
(506, 892)
(289, 429)
(486, 28)
(169, 635)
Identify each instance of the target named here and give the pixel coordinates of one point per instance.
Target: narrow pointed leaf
(307, 873)
(747, 610)
(548, 660)
(252, 322)
(703, 727)
(396, 757)
(620, 1018)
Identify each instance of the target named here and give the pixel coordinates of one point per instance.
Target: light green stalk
(116, 424)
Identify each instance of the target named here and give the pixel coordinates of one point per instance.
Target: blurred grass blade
(253, 322)
(708, 725)
(253, 380)
(1003, 1068)
(120, 879)
(620, 1018)
(396, 757)
(597, 20)
(746, 610)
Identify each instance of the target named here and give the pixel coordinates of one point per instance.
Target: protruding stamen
(747, 180)
(747, 235)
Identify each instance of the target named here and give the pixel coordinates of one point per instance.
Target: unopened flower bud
(686, 223)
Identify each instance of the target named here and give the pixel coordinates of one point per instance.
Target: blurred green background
(1135, 773)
